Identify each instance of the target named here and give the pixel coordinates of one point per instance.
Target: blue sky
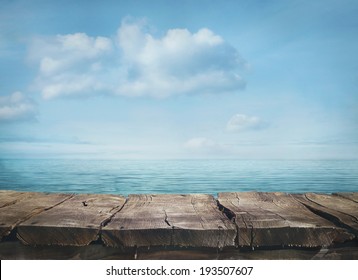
(179, 79)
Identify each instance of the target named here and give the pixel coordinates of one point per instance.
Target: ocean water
(178, 176)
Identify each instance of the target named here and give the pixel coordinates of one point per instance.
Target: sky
(243, 79)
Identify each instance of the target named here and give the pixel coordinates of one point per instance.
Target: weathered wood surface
(340, 209)
(76, 222)
(170, 220)
(278, 219)
(10, 197)
(183, 223)
(16, 250)
(351, 196)
(16, 210)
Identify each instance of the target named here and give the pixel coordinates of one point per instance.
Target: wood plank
(75, 222)
(339, 209)
(8, 197)
(33, 203)
(349, 195)
(278, 219)
(18, 251)
(170, 220)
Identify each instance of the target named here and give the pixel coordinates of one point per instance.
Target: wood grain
(278, 219)
(76, 222)
(349, 195)
(30, 204)
(10, 197)
(170, 220)
(321, 223)
(340, 209)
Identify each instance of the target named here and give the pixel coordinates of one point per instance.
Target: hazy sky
(179, 79)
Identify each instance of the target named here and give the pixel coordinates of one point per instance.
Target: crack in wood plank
(105, 222)
(170, 220)
(13, 219)
(350, 196)
(277, 219)
(355, 219)
(338, 218)
(197, 213)
(166, 218)
(71, 223)
(232, 218)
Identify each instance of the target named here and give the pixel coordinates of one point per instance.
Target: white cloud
(70, 64)
(16, 107)
(135, 63)
(203, 147)
(241, 122)
(200, 143)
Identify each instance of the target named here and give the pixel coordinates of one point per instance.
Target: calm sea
(177, 176)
